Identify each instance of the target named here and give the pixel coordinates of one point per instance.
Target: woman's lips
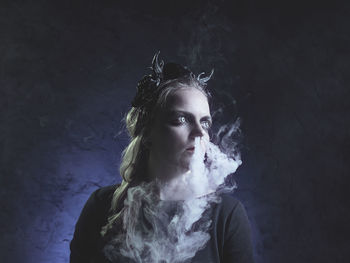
(190, 149)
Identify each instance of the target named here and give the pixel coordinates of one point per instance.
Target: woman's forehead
(188, 99)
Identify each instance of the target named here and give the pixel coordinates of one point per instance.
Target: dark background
(68, 72)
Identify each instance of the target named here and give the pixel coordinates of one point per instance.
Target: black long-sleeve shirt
(230, 237)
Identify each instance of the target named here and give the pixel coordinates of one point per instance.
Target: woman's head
(169, 110)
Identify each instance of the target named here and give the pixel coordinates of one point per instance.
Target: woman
(171, 205)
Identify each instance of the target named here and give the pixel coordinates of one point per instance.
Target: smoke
(208, 170)
(166, 222)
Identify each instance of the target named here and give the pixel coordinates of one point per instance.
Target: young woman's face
(186, 116)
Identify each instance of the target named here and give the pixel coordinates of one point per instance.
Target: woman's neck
(163, 172)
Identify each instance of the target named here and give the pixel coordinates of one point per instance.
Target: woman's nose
(200, 132)
(197, 130)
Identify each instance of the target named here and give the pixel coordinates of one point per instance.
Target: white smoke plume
(162, 226)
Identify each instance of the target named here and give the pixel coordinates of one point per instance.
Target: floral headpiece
(149, 87)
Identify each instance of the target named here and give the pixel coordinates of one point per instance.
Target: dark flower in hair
(145, 92)
(147, 86)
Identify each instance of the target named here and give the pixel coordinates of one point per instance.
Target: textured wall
(69, 70)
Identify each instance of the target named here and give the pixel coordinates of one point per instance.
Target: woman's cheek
(178, 136)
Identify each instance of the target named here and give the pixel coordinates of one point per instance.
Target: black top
(230, 232)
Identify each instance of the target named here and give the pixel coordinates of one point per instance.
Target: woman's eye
(180, 120)
(206, 125)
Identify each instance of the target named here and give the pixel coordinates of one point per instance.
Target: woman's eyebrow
(207, 118)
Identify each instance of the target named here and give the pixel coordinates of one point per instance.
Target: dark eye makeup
(180, 118)
(206, 124)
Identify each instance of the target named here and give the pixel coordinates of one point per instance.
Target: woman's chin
(185, 165)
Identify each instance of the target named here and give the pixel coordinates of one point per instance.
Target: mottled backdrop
(68, 72)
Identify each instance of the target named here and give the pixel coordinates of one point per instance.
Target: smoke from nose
(165, 222)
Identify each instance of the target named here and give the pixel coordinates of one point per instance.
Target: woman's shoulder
(104, 193)
(234, 223)
(99, 201)
(94, 215)
(230, 206)
(229, 201)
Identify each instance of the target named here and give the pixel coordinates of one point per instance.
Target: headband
(149, 87)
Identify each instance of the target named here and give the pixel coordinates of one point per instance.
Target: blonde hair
(135, 155)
